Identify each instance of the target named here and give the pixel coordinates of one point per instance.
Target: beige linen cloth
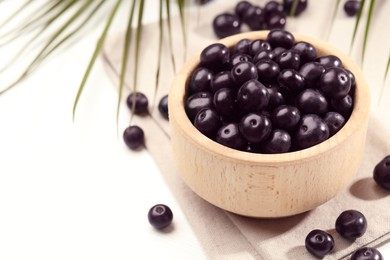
(224, 235)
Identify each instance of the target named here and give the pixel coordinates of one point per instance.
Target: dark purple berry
(382, 173)
(329, 61)
(207, 122)
(255, 128)
(285, 117)
(226, 24)
(277, 51)
(312, 101)
(241, 8)
(242, 46)
(239, 57)
(133, 137)
(351, 7)
(276, 98)
(243, 72)
(141, 103)
(215, 56)
(258, 45)
(272, 7)
(351, 77)
(163, 106)
(279, 141)
(343, 106)
(307, 52)
(252, 96)
(319, 243)
(230, 136)
(367, 253)
(312, 72)
(254, 17)
(275, 20)
(280, 38)
(312, 130)
(291, 81)
(288, 60)
(263, 55)
(203, 2)
(197, 102)
(267, 71)
(160, 216)
(351, 224)
(288, 5)
(223, 79)
(200, 80)
(335, 83)
(224, 101)
(335, 122)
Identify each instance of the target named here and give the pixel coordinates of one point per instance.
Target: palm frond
(384, 80)
(16, 13)
(294, 8)
(95, 54)
(335, 10)
(358, 17)
(168, 8)
(180, 5)
(369, 17)
(160, 43)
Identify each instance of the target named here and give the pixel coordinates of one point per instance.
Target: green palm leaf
(358, 16)
(168, 8)
(160, 42)
(335, 10)
(369, 17)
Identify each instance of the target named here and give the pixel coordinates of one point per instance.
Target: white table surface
(73, 190)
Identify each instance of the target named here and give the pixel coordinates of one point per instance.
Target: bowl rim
(179, 118)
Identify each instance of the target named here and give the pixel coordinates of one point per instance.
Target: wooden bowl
(267, 185)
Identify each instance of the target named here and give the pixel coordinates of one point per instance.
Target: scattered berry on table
(301, 6)
(351, 224)
(367, 253)
(226, 24)
(141, 103)
(163, 106)
(351, 7)
(382, 173)
(319, 243)
(160, 216)
(133, 137)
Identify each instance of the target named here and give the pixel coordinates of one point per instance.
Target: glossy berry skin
(335, 83)
(272, 7)
(160, 216)
(242, 46)
(312, 72)
(351, 7)
(263, 55)
(275, 20)
(215, 56)
(351, 77)
(343, 106)
(254, 17)
(197, 102)
(288, 4)
(267, 71)
(312, 101)
(280, 38)
(258, 45)
(277, 51)
(229, 135)
(291, 81)
(221, 80)
(226, 24)
(288, 60)
(367, 253)
(243, 72)
(224, 101)
(200, 80)
(335, 122)
(311, 130)
(285, 117)
(239, 57)
(163, 106)
(279, 141)
(252, 96)
(141, 103)
(276, 98)
(329, 61)
(241, 8)
(382, 173)
(351, 224)
(319, 243)
(134, 137)
(306, 51)
(255, 128)
(207, 122)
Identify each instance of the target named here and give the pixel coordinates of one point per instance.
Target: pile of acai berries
(269, 96)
